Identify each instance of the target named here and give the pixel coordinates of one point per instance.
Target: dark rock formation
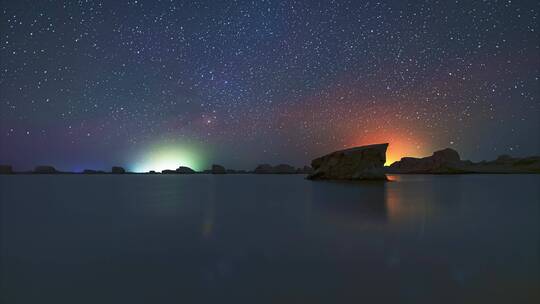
(503, 159)
(6, 169)
(45, 170)
(264, 169)
(118, 170)
(360, 163)
(180, 170)
(443, 161)
(507, 164)
(279, 169)
(185, 170)
(152, 172)
(283, 169)
(217, 169)
(447, 161)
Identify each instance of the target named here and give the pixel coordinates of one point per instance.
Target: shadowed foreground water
(269, 239)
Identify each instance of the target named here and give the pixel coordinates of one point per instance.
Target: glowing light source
(399, 145)
(169, 156)
(397, 150)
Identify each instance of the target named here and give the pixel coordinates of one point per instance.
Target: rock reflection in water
(352, 204)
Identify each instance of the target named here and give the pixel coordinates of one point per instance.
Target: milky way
(99, 83)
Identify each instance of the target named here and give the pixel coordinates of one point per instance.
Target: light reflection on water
(269, 239)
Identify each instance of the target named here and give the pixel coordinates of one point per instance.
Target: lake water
(269, 239)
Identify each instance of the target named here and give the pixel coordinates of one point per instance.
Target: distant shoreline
(358, 163)
(252, 173)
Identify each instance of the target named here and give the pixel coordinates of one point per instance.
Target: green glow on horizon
(169, 156)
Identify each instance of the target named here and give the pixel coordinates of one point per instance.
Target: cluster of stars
(266, 80)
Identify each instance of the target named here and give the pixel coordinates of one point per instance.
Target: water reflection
(352, 205)
(410, 200)
(208, 219)
(282, 239)
(402, 200)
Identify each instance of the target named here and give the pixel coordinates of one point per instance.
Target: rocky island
(45, 170)
(6, 169)
(359, 163)
(279, 169)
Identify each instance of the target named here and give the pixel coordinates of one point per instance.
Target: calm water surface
(269, 239)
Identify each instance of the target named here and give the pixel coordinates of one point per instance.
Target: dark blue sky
(98, 83)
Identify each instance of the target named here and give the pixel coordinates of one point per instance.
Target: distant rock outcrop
(118, 170)
(264, 169)
(45, 170)
(180, 170)
(447, 161)
(442, 161)
(217, 169)
(359, 163)
(185, 170)
(284, 169)
(279, 169)
(507, 164)
(6, 169)
(503, 159)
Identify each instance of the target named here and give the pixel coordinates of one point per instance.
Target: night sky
(155, 84)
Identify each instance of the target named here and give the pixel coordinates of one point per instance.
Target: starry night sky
(91, 84)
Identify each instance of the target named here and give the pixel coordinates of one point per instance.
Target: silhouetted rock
(118, 170)
(6, 169)
(532, 161)
(152, 172)
(284, 169)
(185, 170)
(360, 163)
(264, 169)
(167, 171)
(45, 170)
(447, 161)
(217, 169)
(505, 158)
(507, 164)
(279, 169)
(443, 161)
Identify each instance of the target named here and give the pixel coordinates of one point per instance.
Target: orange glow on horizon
(358, 119)
(398, 147)
(397, 150)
